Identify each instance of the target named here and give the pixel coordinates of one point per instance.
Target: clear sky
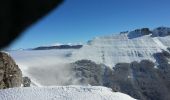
(80, 20)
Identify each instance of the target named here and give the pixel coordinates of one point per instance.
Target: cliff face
(10, 74)
(140, 80)
(126, 47)
(144, 80)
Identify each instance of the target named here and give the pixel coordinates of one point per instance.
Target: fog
(46, 68)
(59, 74)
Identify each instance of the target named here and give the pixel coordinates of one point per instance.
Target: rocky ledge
(10, 74)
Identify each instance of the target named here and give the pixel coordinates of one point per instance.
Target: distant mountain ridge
(127, 46)
(157, 32)
(58, 47)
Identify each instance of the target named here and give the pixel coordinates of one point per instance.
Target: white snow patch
(62, 93)
(159, 43)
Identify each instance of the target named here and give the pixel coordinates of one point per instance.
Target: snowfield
(62, 93)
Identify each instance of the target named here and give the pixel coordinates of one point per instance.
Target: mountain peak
(161, 31)
(139, 32)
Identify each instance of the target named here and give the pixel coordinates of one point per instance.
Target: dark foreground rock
(10, 74)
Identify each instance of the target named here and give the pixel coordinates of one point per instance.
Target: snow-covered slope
(119, 48)
(62, 93)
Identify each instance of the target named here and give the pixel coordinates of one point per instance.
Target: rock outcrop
(139, 32)
(88, 72)
(141, 80)
(59, 47)
(10, 74)
(26, 82)
(158, 32)
(161, 31)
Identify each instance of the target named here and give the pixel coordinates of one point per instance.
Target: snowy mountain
(124, 47)
(58, 47)
(129, 62)
(161, 31)
(109, 50)
(127, 47)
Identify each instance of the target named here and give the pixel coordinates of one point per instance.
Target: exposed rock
(139, 32)
(164, 68)
(164, 73)
(26, 82)
(10, 74)
(124, 32)
(158, 32)
(162, 57)
(161, 31)
(140, 80)
(145, 31)
(168, 49)
(59, 47)
(88, 72)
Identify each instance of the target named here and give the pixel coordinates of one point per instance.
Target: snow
(165, 40)
(159, 43)
(119, 48)
(59, 44)
(62, 93)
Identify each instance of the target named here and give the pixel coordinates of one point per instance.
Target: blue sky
(80, 20)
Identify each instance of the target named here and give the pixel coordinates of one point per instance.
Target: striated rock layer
(126, 47)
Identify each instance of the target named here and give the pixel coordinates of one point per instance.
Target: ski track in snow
(62, 93)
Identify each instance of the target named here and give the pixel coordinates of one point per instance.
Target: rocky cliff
(144, 80)
(10, 74)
